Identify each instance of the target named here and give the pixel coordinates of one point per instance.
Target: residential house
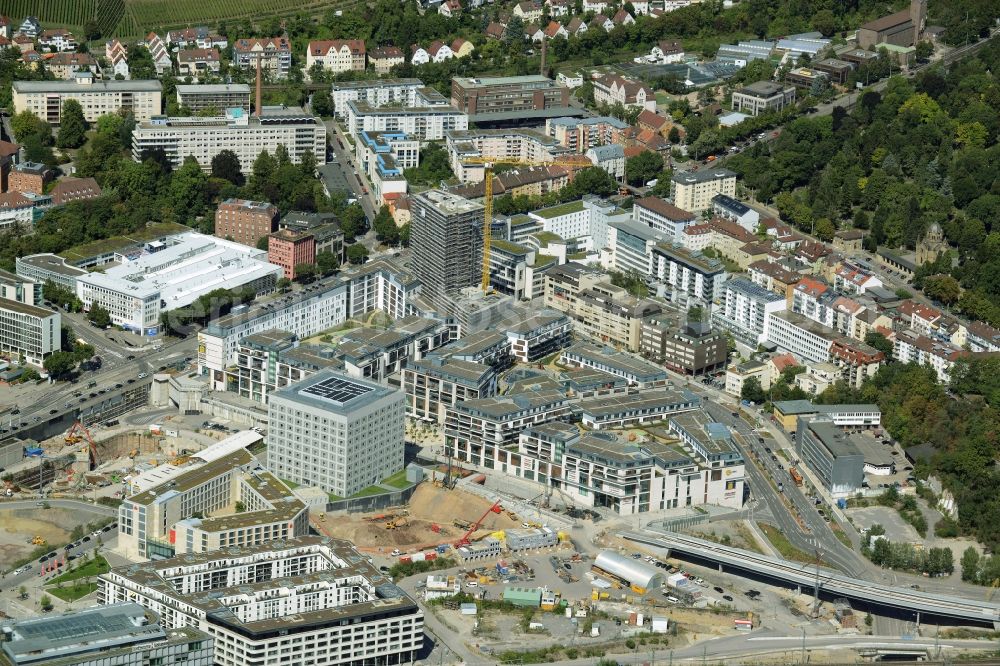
(23, 43)
(576, 26)
(855, 280)
(622, 17)
(641, 7)
(462, 48)
(663, 217)
(773, 276)
(555, 29)
(57, 39)
(450, 8)
(6, 29)
(419, 55)
(602, 22)
(558, 7)
(596, 6)
(117, 55)
(533, 33)
(198, 63)
(439, 52)
(611, 158)
(981, 337)
(336, 55)
(529, 11)
(65, 65)
(274, 55)
(911, 347)
(650, 120)
(848, 240)
(199, 37)
(74, 189)
(918, 317)
(495, 30)
(613, 89)
(30, 27)
(383, 58)
(159, 52)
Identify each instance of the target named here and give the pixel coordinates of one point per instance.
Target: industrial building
(312, 599)
(637, 575)
(336, 432)
(122, 634)
(832, 455)
(172, 275)
(189, 507)
(247, 136)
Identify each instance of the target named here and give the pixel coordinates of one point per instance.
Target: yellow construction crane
(573, 162)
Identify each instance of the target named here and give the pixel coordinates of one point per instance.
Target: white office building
(312, 600)
(426, 122)
(28, 330)
(161, 279)
(807, 339)
(336, 432)
(143, 99)
(238, 131)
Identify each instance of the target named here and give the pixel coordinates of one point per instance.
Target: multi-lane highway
(831, 583)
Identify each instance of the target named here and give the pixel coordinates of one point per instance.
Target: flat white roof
(188, 269)
(224, 447)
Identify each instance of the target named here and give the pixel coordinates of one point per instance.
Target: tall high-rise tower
(446, 239)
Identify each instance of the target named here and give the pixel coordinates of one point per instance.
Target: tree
(752, 391)
(22, 592)
(226, 165)
(970, 565)
(879, 342)
(91, 30)
(322, 103)
(27, 124)
(385, 227)
(357, 253)
(674, 136)
(98, 316)
(283, 284)
(353, 222)
(943, 288)
(72, 125)
(262, 242)
(825, 22)
(59, 364)
(643, 168)
(45, 602)
(327, 262)
(305, 273)
(187, 190)
(924, 50)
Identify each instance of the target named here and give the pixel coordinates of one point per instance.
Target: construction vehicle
(488, 165)
(464, 541)
(180, 460)
(512, 516)
(379, 517)
(461, 524)
(73, 438)
(37, 541)
(398, 522)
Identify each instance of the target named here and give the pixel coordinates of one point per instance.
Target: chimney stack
(257, 100)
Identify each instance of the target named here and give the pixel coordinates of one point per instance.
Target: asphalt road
(344, 159)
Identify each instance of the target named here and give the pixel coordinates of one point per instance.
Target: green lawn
(397, 480)
(370, 490)
(92, 568)
(291, 484)
(72, 592)
(785, 547)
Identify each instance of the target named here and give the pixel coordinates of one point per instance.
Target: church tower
(918, 16)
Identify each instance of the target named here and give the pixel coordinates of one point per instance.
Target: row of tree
(905, 556)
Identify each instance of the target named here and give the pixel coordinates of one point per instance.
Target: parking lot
(896, 529)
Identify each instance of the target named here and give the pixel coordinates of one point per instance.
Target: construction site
(434, 515)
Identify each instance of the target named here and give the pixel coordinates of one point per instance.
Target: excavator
(73, 438)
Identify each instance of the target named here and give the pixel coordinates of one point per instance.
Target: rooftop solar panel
(337, 389)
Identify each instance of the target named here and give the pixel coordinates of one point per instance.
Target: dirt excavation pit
(429, 506)
(21, 525)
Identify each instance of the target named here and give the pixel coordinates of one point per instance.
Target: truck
(796, 477)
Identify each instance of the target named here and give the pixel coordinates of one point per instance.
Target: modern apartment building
(336, 432)
(273, 54)
(309, 600)
(691, 348)
(763, 96)
(485, 431)
(17, 288)
(685, 277)
(198, 63)
(694, 191)
(317, 308)
(336, 55)
(446, 242)
(634, 410)
(631, 247)
(509, 98)
(539, 335)
(467, 149)
(376, 355)
(191, 508)
(663, 217)
(579, 134)
(245, 221)
(28, 330)
(429, 120)
(435, 383)
(745, 310)
(599, 310)
(375, 93)
(97, 98)
(638, 372)
(274, 359)
(216, 96)
(288, 249)
(245, 135)
(166, 278)
(807, 339)
(384, 157)
(382, 285)
(123, 634)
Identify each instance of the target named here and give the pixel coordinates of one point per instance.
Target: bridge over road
(829, 583)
